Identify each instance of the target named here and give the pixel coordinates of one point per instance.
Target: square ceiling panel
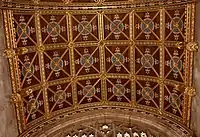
(116, 26)
(25, 29)
(174, 64)
(147, 25)
(119, 90)
(29, 69)
(60, 97)
(87, 60)
(54, 29)
(33, 106)
(173, 102)
(148, 93)
(175, 24)
(57, 64)
(85, 27)
(89, 91)
(117, 58)
(147, 60)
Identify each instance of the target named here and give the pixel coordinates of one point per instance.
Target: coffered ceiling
(65, 60)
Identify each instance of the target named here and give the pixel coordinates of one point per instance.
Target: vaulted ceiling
(70, 55)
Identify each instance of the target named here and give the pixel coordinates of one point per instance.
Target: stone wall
(195, 116)
(8, 126)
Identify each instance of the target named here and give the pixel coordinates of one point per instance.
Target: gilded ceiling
(64, 59)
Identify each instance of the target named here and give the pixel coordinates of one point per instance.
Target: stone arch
(158, 126)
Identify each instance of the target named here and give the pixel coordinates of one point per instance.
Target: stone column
(8, 124)
(195, 114)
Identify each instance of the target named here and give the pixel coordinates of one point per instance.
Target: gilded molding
(16, 98)
(36, 1)
(10, 53)
(190, 46)
(40, 48)
(190, 91)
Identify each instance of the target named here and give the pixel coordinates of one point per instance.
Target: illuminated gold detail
(36, 1)
(10, 53)
(191, 46)
(40, 48)
(16, 98)
(190, 91)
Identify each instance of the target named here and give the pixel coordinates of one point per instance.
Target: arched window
(107, 130)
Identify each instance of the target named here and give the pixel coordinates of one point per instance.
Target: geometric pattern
(89, 91)
(87, 60)
(85, 27)
(60, 96)
(25, 30)
(147, 60)
(33, 106)
(117, 60)
(30, 70)
(116, 26)
(56, 64)
(118, 89)
(174, 62)
(54, 29)
(175, 24)
(147, 25)
(147, 93)
(116, 57)
(173, 100)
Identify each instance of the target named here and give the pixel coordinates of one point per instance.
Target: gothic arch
(141, 122)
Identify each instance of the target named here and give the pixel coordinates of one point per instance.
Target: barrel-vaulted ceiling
(68, 55)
